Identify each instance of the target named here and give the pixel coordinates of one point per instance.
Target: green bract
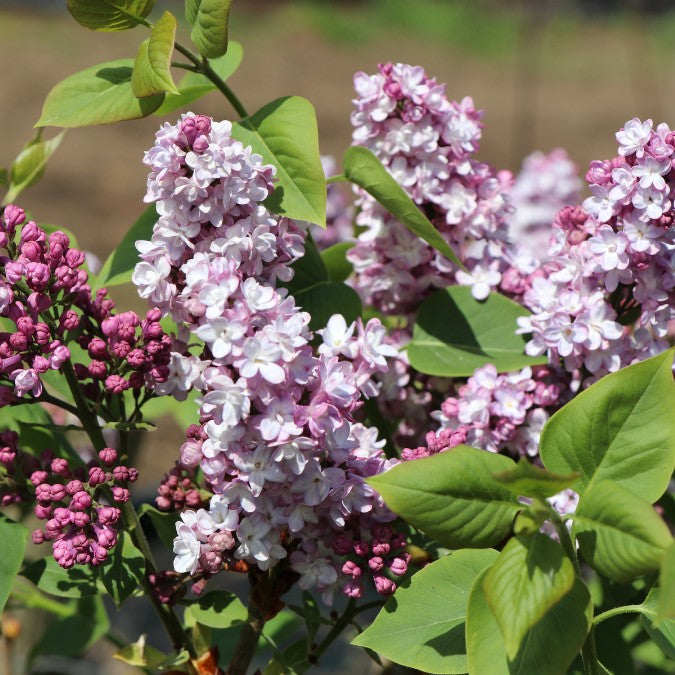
(285, 133)
(622, 428)
(98, 95)
(452, 496)
(110, 15)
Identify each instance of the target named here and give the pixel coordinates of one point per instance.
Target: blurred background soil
(548, 73)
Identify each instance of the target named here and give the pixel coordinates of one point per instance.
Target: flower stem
(615, 611)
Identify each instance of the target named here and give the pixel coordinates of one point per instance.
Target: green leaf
(531, 575)
(621, 428)
(662, 631)
(328, 298)
(335, 260)
(422, 625)
(543, 651)
(309, 270)
(285, 133)
(123, 573)
(152, 67)
(666, 605)
(365, 170)
(110, 15)
(196, 85)
(619, 534)
(72, 635)
(51, 578)
(13, 537)
(218, 609)
(529, 480)
(29, 166)
(119, 266)
(164, 522)
(143, 655)
(4, 177)
(452, 496)
(209, 19)
(454, 334)
(100, 94)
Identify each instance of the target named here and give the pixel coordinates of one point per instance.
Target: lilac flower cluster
(74, 500)
(278, 446)
(544, 185)
(426, 142)
(604, 299)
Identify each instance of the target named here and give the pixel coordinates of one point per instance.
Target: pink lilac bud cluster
(75, 501)
(545, 184)
(605, 298)
(339, 211)
(279, 448)
(427, 143)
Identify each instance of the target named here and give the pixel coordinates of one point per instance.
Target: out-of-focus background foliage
(547, 72)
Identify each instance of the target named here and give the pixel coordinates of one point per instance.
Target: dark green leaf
(123, 573)
(100, 94)
(661, 631)
(120, 264)
(152, 67)
(29, 166)
(335, 260)
(328, 298)
(285, 133)
(452, 496)
(454, 334)
(164, 522)
(666, 606)
(621, 428)
(531, 575)
(309, 270)
(531, 481)
(422, 625)
(143, 655)
(72, 635)
(13, 537)
(51, 578)
(209, 19)
(218, 609)
(365, 170)
(619, 533)
(110, 15)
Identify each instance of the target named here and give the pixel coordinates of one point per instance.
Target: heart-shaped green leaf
(110, 15)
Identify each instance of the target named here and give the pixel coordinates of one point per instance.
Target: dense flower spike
(277, 444)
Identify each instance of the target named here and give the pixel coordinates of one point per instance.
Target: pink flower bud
(108, 456)
(383, 585)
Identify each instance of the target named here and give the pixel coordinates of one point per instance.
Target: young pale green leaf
(218, 609)
(662, 631)
(327, 298)
(72, 635)
(101, 94)
(621, 428)
(529, 480)
(454, 334)
(142, 655)
(335, 260)
(452, 496)
(123, 573)
(531, 575)
(152, 67)
(50, 577)
(118, 267)
(362, 168)
(666, 605)
(110, 15)
(29, 166)
(13, 537)
(285, 133)
(619, 533)
(422, 625)
(542, 651)
(195, 85)
(209, 19)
